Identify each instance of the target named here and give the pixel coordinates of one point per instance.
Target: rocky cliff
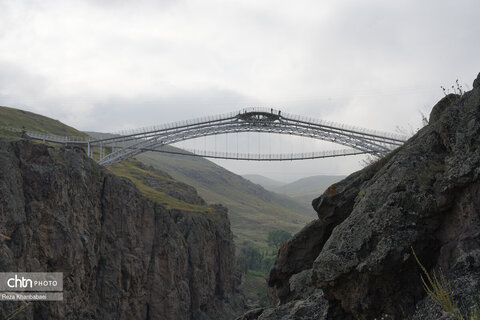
(122, 256)
(355, 261)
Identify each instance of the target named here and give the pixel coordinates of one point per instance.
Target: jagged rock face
(300, 252)
(476, 83)
(425, 195)
(313, 307)
(122, 256)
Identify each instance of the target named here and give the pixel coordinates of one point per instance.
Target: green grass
(132, 170)
(255, 289)
(10, 135)
(16, 118)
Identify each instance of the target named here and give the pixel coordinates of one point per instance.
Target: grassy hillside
(303, 190)
(15, 118)
(308, 185)
(265, 182)
(253, 210)
(160, 187)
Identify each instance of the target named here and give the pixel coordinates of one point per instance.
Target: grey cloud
(108, 65)
(20, 86)
(137, 5)
(123, 113)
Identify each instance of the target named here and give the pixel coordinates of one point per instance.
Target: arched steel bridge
(117, 147)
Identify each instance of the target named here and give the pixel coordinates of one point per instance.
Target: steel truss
(128, 144)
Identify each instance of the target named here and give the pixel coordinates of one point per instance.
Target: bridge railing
(343, 126)
(57, 138)
(230, 115)
(322, 122)
(48, 136)
(177, 124)
(266, 157)
(260, 109)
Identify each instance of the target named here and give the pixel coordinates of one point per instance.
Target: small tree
(276, 238)
(267, 263)
(249, 258)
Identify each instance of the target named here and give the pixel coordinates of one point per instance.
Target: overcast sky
(112, 65)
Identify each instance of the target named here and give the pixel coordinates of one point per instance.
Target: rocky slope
(122, 256)
(355, 261)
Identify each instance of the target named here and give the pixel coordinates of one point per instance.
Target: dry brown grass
(16, 312)
(4, 237)
(439, 290)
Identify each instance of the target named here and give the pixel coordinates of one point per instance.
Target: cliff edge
(122, 256)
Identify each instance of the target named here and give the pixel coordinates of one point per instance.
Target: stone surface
(301, 250)
(441, 105)
(425, 195)
(315, 306)
(122, 256)
(476, 83)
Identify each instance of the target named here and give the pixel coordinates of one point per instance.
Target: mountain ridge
(265, 182)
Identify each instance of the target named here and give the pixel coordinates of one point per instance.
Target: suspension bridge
(113, 148)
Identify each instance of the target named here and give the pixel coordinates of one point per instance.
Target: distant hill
(313, 184)
(265, 182)
(303, 190)
(15, 118)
